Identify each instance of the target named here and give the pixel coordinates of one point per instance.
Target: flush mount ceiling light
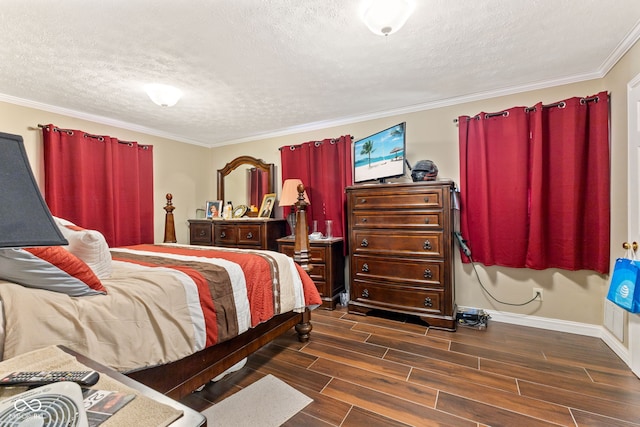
(384, 17)
(163, 95)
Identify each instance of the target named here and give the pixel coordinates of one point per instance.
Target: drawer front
(321, 287)
(249, 235)
(381, 219)
(286, 249)
(200, 234)
(399, 271)
(318, 273)
(391, 297)
(397, 244)
(225, 235)
(400, 199)
(317, 254)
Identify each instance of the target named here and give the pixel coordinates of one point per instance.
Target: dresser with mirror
(243, 181)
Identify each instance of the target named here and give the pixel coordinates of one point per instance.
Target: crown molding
(96, 119)
(620, 50)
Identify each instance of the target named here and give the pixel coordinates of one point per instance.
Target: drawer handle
(426, 199)
(202, 233)
(364, 243)
(428, 302)
(363, 200)
(250, 235)
(364, 219)
(426, 220)
(365, 293)
(223, 235)
(428, 274)
(365, 267)
(427, 245)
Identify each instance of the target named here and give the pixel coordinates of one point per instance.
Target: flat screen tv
(381, 155)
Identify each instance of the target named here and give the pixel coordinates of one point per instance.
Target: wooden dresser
(401, 250)
(327, 260)
(255, 233)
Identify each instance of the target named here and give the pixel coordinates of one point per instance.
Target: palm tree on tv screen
(367, 149)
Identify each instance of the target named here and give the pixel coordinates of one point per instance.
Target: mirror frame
(269, 168)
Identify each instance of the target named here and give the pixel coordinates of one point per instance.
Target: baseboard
(564, 326)
(617, 347)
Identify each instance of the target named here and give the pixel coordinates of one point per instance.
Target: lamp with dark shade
(25, 219)
(289, 197)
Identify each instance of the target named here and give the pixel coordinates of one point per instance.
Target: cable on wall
(465, 249)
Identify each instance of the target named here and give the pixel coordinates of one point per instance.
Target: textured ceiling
(254, 68)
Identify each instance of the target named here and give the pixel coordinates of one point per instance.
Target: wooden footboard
(178, 379)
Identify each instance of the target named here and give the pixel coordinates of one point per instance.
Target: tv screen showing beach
(380, 155)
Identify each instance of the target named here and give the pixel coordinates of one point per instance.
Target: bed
(170, 316)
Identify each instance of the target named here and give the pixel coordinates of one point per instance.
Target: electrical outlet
(537, 292)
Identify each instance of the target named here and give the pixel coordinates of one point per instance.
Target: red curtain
(570, 186)
(493, 186)
(100, 183)
(258, 186)
(325, 169)
(534, 185)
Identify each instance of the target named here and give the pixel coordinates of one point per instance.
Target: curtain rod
(317, 143)
(57, 129)
(560, 104)
(98, 137)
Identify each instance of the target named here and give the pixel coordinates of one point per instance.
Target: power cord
(465, 249)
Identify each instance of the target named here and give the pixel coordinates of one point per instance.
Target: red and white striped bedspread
(164, 302)
(237, 289)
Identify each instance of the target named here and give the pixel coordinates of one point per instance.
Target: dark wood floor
(374, 371)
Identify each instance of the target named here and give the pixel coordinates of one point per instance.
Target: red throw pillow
(50, 267)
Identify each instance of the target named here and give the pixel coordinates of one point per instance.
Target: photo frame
(266, 207)
(214, 209)
(239, 211)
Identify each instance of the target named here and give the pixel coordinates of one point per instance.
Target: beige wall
(189, 172)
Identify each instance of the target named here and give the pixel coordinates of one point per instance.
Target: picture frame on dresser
(214, 209)
(267, 205)
(239, 211)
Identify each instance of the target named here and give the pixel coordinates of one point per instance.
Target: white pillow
(88, 245)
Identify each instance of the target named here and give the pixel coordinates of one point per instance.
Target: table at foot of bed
(179, 378)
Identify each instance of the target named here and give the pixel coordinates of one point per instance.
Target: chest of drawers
(259, 233)
(401, 250)
(327, 260)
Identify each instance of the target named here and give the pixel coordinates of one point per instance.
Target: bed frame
(178, 379)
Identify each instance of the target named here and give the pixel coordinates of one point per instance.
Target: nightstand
(327, 259)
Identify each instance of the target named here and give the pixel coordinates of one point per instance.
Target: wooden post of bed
(301, 256)
(301, 245)
(169, 225)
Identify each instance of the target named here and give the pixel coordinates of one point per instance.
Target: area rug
(268, 402)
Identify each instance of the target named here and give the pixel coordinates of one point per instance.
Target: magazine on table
(102, 404)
